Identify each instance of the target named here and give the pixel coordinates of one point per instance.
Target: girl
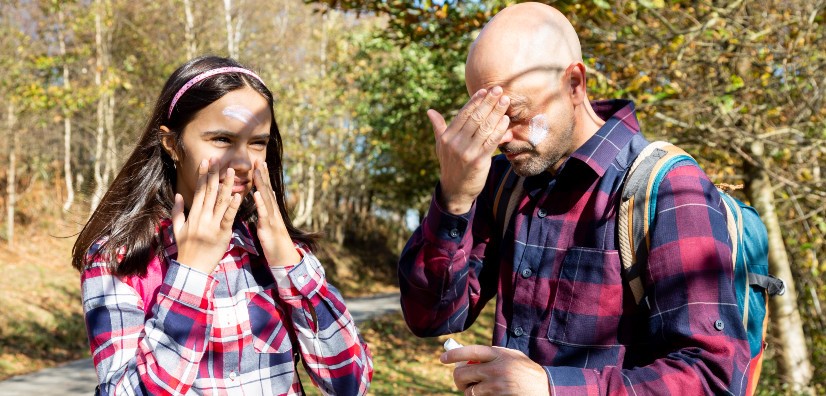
(194, 280)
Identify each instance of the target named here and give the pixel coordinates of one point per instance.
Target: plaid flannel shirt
(556, 273)
(178, 331)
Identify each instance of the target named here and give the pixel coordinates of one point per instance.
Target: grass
(407, 365)
(41, 323)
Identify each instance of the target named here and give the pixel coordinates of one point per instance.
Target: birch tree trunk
(67, 119)
(305, 217)
(787, 327)
(189, 30)
(11, 196)
(233, 32)
(111, 149)
(102, 101)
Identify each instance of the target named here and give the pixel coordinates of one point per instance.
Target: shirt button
(719, 325)
(518, 331)
(541, 213)
(526, 273)
(232, 376)
(454, 233)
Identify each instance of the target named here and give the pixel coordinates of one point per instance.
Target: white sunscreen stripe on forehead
(538, 131)
(240, 113)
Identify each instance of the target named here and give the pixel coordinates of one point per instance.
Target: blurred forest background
(740, 84)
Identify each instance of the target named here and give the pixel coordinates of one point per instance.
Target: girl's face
(232, 131)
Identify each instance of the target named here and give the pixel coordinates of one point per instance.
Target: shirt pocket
(269, 334)
(587, 306)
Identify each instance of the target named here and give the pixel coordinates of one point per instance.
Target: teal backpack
(750, 255)
(749, 240)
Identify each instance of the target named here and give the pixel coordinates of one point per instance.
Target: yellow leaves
(676, 42)
(656, 4)
(764, 79)
(805, 175)
(638, 82)
(442, 12)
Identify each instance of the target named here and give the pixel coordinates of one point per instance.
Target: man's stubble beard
(536, 163)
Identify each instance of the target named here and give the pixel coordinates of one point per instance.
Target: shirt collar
(241, 238)
(620, 126)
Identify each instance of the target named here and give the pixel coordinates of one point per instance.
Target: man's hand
(499, 371)
(465, 146)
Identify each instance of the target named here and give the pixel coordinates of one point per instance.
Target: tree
(67, 118)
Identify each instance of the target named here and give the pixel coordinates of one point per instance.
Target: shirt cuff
(441, 226)
(301, 280)
(188, 286)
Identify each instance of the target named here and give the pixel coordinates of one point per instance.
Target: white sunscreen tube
(452, 344)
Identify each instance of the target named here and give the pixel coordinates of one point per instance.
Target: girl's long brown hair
(143, 192)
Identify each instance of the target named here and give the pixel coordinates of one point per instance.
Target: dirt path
(79, 378)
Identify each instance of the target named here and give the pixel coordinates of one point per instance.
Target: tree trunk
(111, 150)
(12, 184)
(306, 216)
(233, 32)
(189, 30)
(787, 326)
(102, 101)
(67, 119)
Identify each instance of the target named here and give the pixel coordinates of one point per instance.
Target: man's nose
(507, 137)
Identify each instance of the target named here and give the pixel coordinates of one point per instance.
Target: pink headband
(205, 75)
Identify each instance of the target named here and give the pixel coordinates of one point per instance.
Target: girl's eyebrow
(225, 133)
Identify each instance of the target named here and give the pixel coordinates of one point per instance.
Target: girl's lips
(239, 185)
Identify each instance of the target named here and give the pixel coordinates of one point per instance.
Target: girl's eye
(221, 140)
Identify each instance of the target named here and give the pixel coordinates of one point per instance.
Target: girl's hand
(203, 237)
(272, 232)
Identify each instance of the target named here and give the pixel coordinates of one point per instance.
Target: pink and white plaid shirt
(179, 331)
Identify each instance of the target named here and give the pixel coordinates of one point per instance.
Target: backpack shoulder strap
(506, 198)
(638, 207)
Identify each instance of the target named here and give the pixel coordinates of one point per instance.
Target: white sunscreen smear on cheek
(240, 113)
(538, 131)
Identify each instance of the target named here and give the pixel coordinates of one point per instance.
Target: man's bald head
(521, 41)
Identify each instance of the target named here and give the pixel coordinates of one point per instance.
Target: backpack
(748, 235)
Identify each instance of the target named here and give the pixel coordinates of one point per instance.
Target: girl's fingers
(232, 209)
(200, 187)
(178, 218)
(264, 190)
(262, 208)
(225, 192)
(268, 183)
(211, 187)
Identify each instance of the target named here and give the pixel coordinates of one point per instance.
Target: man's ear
(575, 77)
(167, 139)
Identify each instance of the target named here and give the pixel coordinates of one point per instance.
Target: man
(566, 321)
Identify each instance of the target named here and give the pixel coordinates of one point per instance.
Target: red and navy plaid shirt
(179, 331)
(557, 276)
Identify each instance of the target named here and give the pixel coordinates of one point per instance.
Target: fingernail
(504, 100)
(265, 165)
(204, 163)
(497, 90)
